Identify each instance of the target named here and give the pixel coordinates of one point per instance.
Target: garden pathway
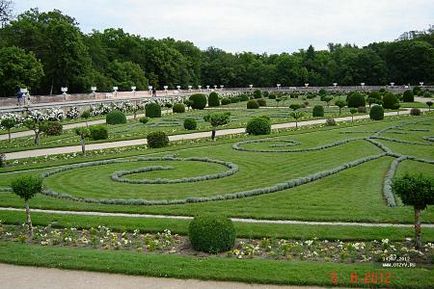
(241, 220)
(26, 277)
(179, 137)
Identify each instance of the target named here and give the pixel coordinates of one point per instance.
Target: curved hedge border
(401, 141)
(117, 176)
(387, 185)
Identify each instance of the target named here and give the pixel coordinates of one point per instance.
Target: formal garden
(307, 202)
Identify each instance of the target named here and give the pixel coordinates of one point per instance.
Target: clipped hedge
(211, 233)
(178, 108)
(98, 132)
(356, 99)
(115, 117)
(318, 111)
(153, 110)
(376, 112)
(52, 128)
(190, 124)
(415, 111)
(213, 99)
(226, 101)
(157, 139)
(252, 104)
(258, 126)
(262, 102)
(198, 101)
(408, 96)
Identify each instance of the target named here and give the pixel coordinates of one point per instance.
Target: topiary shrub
(243, 97)
(262, 102)
(361, 109)
(389, 100)
(144, 119)
(376, 112)
(408, 96)
(157, 139)
(356, 99)
(98, 132)
(212, 233)
(115, 117)
(252, 104)
(330, 122)
(259, 126)
(198, 101)
(190, 124)
(415, 111)
(226, 101)
(257, 94)
(213, 99)
(52, 128)
(318, 111)
(235, 99)
(153, 110)
(417, 90)
(178, 108)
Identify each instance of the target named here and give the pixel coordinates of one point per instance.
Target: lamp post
(278, 86)
(115, 91)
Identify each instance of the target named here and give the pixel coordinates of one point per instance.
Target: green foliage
(353, 110)
(257, 94)
(152, 110)
(198, 101)
(258, 126)
(85, 114)
(98, 132)
(322, 91)
(178, 108)
(318, 111)
(26, 187)
(8, 123)
(243, 97)
(82, 132)
(144, 119)
(262, 102)
(415, 111)
(157, 139)
(190, 124)
(213, 99)
(389, 100)
(414, 190)
(417, 90)
(356, 99)
(226, 101)
(408, 96)
(361, 109)
(126, 74)
(376, 112)
(52, 128)
(211, 233)
(375, 95)
(341, 104)
(295, 106)
(115, 117)
(2, 160)
(217, 118)
(252, 104)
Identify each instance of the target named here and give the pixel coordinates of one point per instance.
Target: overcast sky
(271, 26)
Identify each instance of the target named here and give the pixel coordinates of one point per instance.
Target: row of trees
(45, 51)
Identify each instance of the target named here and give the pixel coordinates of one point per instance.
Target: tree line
(47, 50)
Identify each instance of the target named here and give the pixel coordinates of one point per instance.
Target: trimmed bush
(330, 122)
(408, 96)
(244, 97)
(417, 90)
(153, 110)
(252, 104)
(157, 139)
(190, 124)
(213, 99)
(234, 99)
(115, 117)
(361, 109)
(98, 132)
(258, 126)
(257, 94)
(262, 102)
(178, 108)
(198, 101)
(144, 119)
(226, 101)
(212, 233)
(52, 128)
(356, 99)
(415, 111)
(376, 112)
(318, 111)
(389, 100)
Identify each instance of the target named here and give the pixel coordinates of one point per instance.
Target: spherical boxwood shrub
(157, 139)
(153, 110)
(356, 99)
(115, 117)
(258, 126)
(144, 119)
(178, 108)
(408, 96)
(226, 101)
(211, 233)
(243, 97)
(252, 104)
(213, 99)
(318, 111)
(262, 102)
(415, 111)
(190, 124)
(98, 132)
(389, 100)
(52, 128)
(198, 101)
(376, 112)
(257, 94)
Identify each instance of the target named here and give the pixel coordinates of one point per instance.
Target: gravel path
(189, 136)
(24, 277)
(241, 220)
